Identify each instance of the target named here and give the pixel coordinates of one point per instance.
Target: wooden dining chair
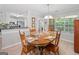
(49, 29)
(54, 47)
(32, 32)
(26, 48)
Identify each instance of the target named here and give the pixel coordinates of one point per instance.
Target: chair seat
(51, 47)
(28, 48)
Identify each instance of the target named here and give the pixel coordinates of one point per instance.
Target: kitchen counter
(15, 28)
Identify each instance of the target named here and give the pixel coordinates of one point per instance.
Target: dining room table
(41, 41)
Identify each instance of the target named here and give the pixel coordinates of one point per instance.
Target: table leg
(41, 50)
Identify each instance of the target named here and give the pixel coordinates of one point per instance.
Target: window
(59, 24)
(64, 24)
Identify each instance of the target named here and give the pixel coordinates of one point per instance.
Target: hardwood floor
(66, 48)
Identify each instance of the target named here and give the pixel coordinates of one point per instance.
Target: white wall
(0, 41)
(30, 14)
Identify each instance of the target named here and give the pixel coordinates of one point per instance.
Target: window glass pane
(65, 24)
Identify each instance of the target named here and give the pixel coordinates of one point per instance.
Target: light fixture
(72, 16)
(48, 16)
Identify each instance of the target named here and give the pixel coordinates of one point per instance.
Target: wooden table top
(43, 40)
(40, 42)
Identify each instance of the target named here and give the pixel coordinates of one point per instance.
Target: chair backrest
(23, 38)
(32, 32)
(49, 29)
(53, 33)
(57, 38)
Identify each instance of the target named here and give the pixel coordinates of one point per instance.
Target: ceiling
(42, 9)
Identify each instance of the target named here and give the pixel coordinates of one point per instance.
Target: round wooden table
(41, 44)
(42, 41)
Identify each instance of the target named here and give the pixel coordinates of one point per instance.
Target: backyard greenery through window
(64, 24)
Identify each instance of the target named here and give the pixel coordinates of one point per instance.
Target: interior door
(76, 35)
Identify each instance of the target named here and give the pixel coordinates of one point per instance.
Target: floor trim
(20, 43)
(68, 40)
(11, 45)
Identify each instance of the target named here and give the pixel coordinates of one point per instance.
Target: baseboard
(68, 41)
(20, 43)
(11, 45)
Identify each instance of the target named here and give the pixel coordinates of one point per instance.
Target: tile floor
(66, 48)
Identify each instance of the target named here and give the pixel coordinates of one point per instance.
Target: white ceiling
(42, 9)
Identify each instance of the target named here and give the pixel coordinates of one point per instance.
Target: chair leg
(58, 51)
(55, 53)
(33, 51)
(22, 52)
(47, 52)
(30, 52)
